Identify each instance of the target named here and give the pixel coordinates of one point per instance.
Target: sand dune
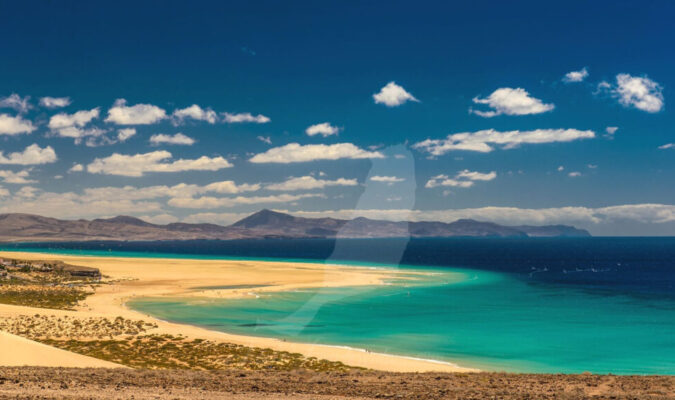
(18, 351)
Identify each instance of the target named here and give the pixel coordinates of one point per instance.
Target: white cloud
(324, 129)
(476, 176)
(610, 131)
(159, 219)
(215, 218)
(393, 95)
(10, 125)
(73, 126)
(180, 190)
(295, 152)
(463, 179)
(561, 168)
(125, 133)
(638, 92)
(76, 168)
(644, 213)
(78, 119)
(16, 102)
(245, 117)
(157, 161)
(19, 177)
(27, 192)
(480, 141)
(386, 179)
(444, 180)
(265, 139)
(195, 112)
(576, 76)
(220, 202)
(509, 101)
(71, 205)
(574, 174)
(309, 182)
(55, 102)
(667, 146)
(32, 155)
(228, 187)
(139, 114)
(178, 138)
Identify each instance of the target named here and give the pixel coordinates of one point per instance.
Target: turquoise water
(605, 305)
(487, 320)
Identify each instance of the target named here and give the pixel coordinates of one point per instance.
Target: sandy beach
(151, 277)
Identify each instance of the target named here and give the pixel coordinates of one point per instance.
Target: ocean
(604, 305)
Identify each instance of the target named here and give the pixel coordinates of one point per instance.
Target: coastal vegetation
(45, 284)
(132, 343)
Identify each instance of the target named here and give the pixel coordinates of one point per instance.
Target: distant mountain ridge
(263, 224)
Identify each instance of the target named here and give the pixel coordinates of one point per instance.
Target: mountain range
(263, 224)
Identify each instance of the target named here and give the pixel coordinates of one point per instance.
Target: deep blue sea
(605, 305)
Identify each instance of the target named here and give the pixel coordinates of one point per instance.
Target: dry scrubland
(132, 343)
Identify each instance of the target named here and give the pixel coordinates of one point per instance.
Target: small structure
(76, 270)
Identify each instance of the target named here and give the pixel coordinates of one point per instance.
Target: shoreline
(168, 277)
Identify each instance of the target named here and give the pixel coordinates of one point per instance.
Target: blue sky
(560, 112)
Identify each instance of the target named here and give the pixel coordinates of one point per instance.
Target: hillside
(263, 224)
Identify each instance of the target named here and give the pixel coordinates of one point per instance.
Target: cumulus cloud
(463, 179)
(195, 112)
(309, 182)
(10, 125)
(206, 202)
(19, 177)
(55, 102)
(139, 114)
(178, 138)
(32, 155)
(157, 161)
(76, 168)
(386, 179)
(574, 174)
(295, 152)
(667, 146)
(481, 141)
(576, 76)
(80, 118)
(125, 133)
(74, 126)
(324, 129)
(393, 95)
(16, 102)
(509, 101)
(245, 117)
(636, 92)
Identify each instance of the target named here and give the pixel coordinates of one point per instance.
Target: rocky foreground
(52, 383)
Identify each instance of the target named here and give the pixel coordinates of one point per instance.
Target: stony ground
(46, 383)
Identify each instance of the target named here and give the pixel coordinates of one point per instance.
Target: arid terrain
(50, 383)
